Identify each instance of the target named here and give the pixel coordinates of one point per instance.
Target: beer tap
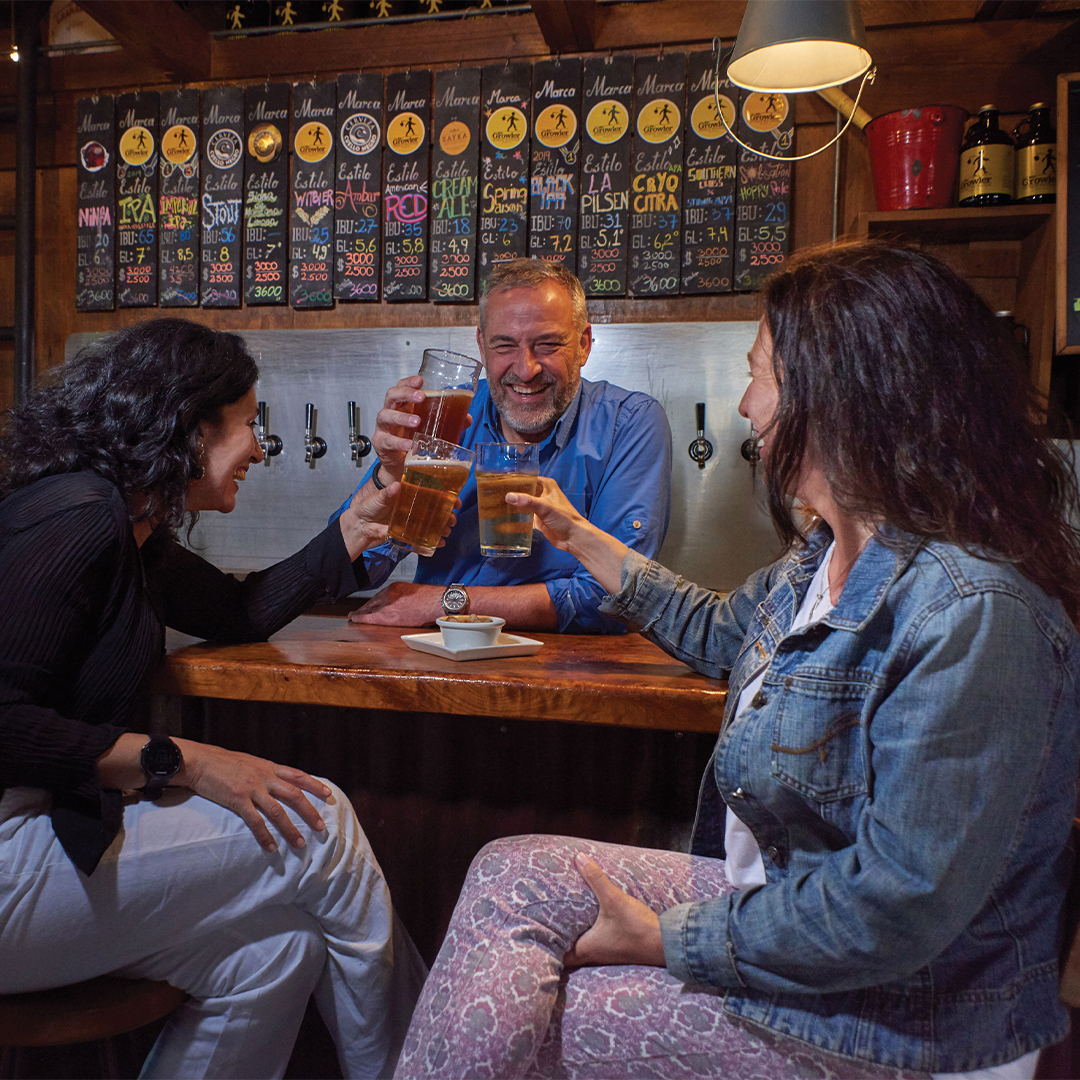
(270, 445)
(314, 447)
(700, 449)
(751, 448)
(361, 444)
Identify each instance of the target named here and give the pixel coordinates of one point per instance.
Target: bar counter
(624, 681)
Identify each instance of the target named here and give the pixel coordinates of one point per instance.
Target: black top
(82, 617)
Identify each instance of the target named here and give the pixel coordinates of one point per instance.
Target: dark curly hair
(915, 402)
(128, 407)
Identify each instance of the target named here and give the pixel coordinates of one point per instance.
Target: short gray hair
(532, 273)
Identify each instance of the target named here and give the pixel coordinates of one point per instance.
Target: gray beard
(530, 422)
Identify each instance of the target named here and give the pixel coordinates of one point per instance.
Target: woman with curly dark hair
(879, 861)
(98, 469)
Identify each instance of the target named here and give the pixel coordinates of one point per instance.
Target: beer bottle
(987, 162)
(1036, 157)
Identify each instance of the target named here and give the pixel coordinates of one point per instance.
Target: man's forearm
(524, 607)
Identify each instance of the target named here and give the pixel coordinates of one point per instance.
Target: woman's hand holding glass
(561, 524)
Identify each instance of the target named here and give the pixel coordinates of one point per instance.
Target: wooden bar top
(315, 660)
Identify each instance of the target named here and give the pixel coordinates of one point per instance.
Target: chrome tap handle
(314, 447)
(750, 449)
(700, 450)
(361, 444)
(270, 445)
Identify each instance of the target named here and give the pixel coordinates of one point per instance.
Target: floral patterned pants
(497, 1003)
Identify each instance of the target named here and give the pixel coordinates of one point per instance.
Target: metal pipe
(26, 31)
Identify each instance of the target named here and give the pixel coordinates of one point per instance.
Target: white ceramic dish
(470, 635)
(507, 645)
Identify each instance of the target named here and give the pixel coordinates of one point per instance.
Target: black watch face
(161, 758)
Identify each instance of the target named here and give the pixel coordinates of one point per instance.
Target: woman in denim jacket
(879, 858)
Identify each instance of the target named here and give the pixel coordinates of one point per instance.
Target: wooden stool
(91, 1011)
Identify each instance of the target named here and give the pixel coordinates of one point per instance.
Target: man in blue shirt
(609, 450)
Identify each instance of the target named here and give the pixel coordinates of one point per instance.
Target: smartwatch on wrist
(161, 760)
(455, 600)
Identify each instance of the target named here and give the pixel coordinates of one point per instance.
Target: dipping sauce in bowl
(470, 631)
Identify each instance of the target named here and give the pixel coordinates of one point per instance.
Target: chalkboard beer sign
(455, 182)
(358, 190)
(178, 206)
(710, 164)
(311, 225)
(95, 233)
(222, 195)
(358, 187)
(657, 173)
(556, 156)
(405, 185)
(266, 193)
(504, 166)
(603, 228)
(136, 200)
(764, 187)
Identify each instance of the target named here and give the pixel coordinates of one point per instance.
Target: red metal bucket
(914, 155)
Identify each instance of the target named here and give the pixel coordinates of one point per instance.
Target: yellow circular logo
(136, 145)
(454, 138)
(506, 127)
(405, 133)
(178, 144)
(607, 121)
(264, 143)
(659, 120)
(705, 121)
(765, 112)
(313, 142)
(555, 126)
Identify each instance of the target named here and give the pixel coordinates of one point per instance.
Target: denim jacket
(909, 771)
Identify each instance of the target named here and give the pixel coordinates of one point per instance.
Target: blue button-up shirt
(610, 452)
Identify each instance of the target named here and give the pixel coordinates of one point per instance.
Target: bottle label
(987, 170)
(1036, 170)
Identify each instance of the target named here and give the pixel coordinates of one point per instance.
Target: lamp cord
(718, 49)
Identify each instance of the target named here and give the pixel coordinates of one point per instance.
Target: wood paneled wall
(926, 52)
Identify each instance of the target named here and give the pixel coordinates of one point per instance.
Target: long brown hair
(919, 410)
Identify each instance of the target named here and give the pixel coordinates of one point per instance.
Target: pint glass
(435, 471)
(450, 380)
(500, 469)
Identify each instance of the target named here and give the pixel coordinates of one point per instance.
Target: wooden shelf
(956, 224)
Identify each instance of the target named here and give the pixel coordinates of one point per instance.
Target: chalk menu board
(1068, 200)
(764, 188)
(95, 233)
(358, 187)
(603, 227)
(266, 193)
(556, 155)
(504, 166)
(455, 182)
(405, 185)
(311, 225)
(222, 195)
(136, 199)
(710, 164)
(178, 206)
(656, 177)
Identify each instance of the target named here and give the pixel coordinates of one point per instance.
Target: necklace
(823, 573)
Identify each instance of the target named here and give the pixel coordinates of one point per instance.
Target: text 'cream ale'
(429, 490)
(504, 530)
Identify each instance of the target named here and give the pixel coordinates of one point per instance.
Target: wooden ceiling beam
(159, 33)
(567, 25)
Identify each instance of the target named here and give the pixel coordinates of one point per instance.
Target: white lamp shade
(791, 46)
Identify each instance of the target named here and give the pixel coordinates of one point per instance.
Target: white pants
(186, 894)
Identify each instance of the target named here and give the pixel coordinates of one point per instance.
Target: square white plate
(507, 645)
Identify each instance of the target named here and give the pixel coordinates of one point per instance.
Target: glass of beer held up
(450, 380)
(500, 469)
(435, 472)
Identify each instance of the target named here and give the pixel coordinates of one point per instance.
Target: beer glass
(435, 472)
(501, 468)
(450, 380)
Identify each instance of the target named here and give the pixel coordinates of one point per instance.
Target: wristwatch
(161, 760)
(455, 600)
